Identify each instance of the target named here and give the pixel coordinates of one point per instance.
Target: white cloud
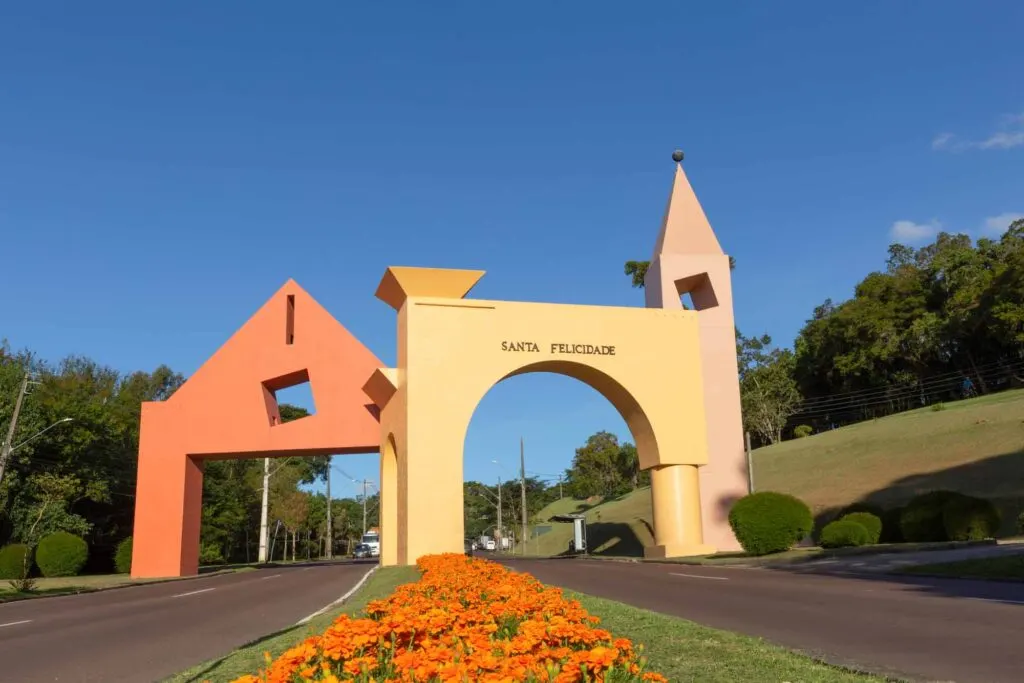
(997, 225)
(909, 232)
(1009, 135)
(943, 141)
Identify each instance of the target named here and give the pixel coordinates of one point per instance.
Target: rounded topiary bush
(123, 556)
(801, 431)
(844, 533)
(892, 532)
(871, 523)
(769, 522)
(61, 554)
(921, 521)
(967, 518)
(12, 561)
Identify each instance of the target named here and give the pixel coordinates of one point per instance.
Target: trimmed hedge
(844, 533)
(871, 523)
(802, 431)
(61, 554)
(892, 532)
(769, 522)
(12, 561)
(970, 519)
(123, 556)
(921, 521)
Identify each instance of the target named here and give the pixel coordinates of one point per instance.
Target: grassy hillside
(974, 446)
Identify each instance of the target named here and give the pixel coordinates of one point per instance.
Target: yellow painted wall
(451, 351)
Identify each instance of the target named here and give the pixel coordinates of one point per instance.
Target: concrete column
(675, 494)
(389, 485)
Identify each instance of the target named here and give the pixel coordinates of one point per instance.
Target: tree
(637, 270)
(603, 467)
(768, 392)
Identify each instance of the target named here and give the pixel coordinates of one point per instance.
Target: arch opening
(585, 410)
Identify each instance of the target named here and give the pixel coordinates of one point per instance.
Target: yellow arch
(452, 351)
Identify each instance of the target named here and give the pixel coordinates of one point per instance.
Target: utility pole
(522, 489)
(750, 464)
(330, 533)
(364, 507)
(501, 533)
(264, 510)
(8, 445)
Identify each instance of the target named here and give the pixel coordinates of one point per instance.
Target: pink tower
(689, 260)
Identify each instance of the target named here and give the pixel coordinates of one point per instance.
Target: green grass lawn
(69, 585)
(249, 659)
(1004, 567)
(680, 650)
(684, 651)
(974, 446)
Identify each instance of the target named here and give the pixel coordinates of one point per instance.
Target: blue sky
(165, 167)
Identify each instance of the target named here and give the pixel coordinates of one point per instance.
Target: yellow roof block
(381, 386)
(401, 282)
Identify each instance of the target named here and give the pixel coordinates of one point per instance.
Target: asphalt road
(911, 628)
(148, 632)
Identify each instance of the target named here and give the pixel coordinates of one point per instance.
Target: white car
(490, 544)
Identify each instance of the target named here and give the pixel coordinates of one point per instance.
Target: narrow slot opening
(289, 325)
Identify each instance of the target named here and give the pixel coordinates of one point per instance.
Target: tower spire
(685, 229)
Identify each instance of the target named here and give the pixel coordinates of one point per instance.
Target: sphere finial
(677, 156)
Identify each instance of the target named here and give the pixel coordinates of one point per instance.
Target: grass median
(1006, 567)
(679, 649)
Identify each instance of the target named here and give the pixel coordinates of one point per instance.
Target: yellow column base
(661, 552)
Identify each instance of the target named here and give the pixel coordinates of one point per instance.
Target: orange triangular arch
(228, 409)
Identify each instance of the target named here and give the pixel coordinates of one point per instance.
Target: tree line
(78, 474)
(938, 323)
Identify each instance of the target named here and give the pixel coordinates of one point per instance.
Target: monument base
(669, 550)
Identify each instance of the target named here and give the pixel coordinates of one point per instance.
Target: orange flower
(464, 620)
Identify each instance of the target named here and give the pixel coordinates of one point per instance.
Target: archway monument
(670, 372)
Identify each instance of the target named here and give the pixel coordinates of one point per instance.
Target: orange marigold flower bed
(466, 619)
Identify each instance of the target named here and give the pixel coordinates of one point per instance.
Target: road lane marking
(15, 623)
(204, 590)
(272, 576)
(343, 598)
(699, 576)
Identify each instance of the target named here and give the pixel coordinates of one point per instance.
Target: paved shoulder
(928, 629)
(146, 633)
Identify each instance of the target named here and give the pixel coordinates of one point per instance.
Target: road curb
(339, 601)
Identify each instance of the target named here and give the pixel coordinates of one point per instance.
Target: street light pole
(330, 530)
(5, 452)
(522, 489)
(264, 509)
(501, 530)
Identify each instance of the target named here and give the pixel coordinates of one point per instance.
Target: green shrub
(871, 508)
(12, 561)
(892, 532)
(871, 523)
(769, 522)
(800, 431)
(61, 554)
(968, 518)
(937, 407)
(123, 556)
(921, 521)
(210, 553)
(844, 533)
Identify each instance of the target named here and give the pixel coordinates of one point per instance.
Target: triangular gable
(227, 407)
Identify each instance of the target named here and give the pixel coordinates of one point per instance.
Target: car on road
(491, 545)
(362, 550)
